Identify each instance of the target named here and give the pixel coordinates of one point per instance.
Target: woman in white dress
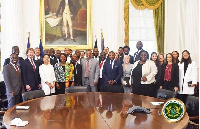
(187, 76)
(47, 75)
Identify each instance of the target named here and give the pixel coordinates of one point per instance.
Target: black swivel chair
(73, 89)
(165, 94)
(3, 103)
(192, 108)
(3, 97)
(32, 95)
(113, 89)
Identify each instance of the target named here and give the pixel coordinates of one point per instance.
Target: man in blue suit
(112, 71)
(30, 72)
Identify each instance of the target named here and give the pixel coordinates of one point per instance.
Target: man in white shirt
(37, 56)
(139, 46)
(96, 54)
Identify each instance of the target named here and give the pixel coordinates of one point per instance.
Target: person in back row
(139, 46)
(126, 50)
(15, 50)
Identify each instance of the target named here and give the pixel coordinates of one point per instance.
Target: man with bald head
(139, 46)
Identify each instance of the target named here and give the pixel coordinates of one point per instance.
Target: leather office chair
(165, 94)
(192, 108)
(3, 97)
(3, 103)
(77, 89)
(114, 89)
(32, 95)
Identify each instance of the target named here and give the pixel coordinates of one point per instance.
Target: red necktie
(17, 70)
(87, 69)
(33, 64)
(101, 64)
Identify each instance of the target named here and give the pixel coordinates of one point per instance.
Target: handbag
(125, 81)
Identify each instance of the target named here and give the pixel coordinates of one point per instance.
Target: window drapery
(158, 7)
(159, 23)
(143, 4)
(126, 19)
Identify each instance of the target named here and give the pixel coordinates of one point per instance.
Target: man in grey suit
(13, 81)
(90, 71)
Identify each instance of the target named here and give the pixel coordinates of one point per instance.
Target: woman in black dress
(170, 74)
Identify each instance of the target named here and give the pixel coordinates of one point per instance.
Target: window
(141, 28)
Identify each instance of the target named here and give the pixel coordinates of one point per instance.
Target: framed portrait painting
(66, 23)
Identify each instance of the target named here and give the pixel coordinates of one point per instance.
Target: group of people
(138, 74)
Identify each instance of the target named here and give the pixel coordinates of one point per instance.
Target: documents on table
(22, 107)
(18, 122)
(157, 103)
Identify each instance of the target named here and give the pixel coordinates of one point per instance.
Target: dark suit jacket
(39, 61)
(62, 6)
(53, 61)
(78, 74)
(7, 61)
(131, 59)
(174, 75)
(112, 74)
(12, 80)
(29, 76)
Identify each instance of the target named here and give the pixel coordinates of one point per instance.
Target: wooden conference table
(91, 111)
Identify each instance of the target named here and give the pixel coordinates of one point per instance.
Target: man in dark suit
(96, 53)
(15, 50)
(102, 60)
(121, 54)
(139, 46)
(126, 50)
(13, 81)
(112, 71)
(77, 71)
(53, 59)
(30, 72)
(37, 58)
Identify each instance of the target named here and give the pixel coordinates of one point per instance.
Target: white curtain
(12, 27)
(141, 28)
(108, 16)
(182, 27)
(189, 27)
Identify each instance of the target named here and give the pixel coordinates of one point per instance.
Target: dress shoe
(65, 38)
(73, 40)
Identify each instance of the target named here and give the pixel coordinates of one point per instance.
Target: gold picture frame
(48, 10)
